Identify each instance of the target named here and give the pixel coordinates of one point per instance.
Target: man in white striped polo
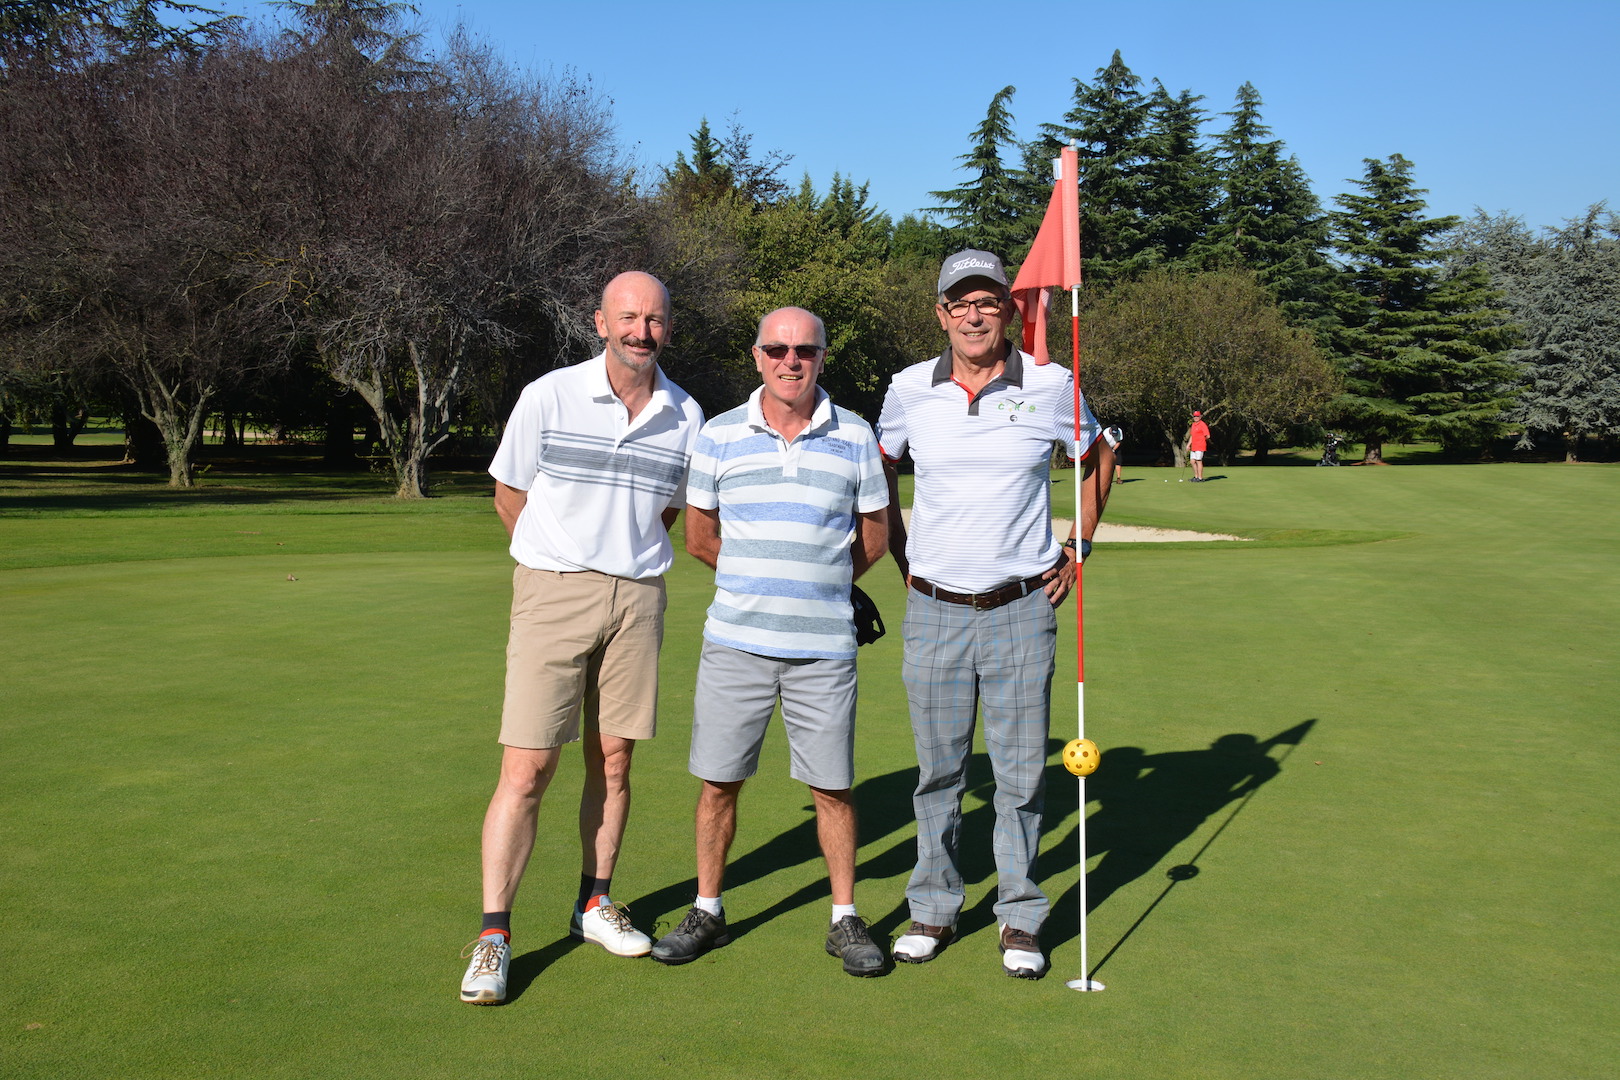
(589, 477)
(786, 501)
(984, 575)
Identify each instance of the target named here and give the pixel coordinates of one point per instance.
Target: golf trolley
(1330, 451)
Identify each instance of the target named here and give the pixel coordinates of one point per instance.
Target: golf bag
(1330, 451)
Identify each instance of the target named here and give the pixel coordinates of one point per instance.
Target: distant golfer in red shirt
(1197, 443)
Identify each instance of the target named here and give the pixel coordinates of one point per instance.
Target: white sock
(711, 904)
(840, 910)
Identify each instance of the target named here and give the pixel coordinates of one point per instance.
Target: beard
(620, 352)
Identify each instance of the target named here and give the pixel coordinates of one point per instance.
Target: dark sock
(497, 920)
(591, 886)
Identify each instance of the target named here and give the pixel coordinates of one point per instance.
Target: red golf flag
(1054, 260)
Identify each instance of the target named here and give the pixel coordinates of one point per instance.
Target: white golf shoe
(1021, 955)
(485, 981)
(608, 925)
(921, 942)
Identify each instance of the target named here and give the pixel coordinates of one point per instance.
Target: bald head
(794, 317)
(634, 319)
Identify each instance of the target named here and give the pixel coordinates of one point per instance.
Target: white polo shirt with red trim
(981, 512)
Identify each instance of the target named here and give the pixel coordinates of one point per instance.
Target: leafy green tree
(1109, 120)
(993, 210)
(1563, 290)
(1161, 346)
(1420, 350)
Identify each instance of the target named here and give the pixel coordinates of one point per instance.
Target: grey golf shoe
(850, 941)
(697, 934)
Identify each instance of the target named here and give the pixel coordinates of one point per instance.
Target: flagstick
(1083, 982)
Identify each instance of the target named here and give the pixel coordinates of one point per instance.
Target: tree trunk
(65, 426)
(1572, 446)
(178, 420)
(1374, 454)
(1178, 448)
(1262, 447)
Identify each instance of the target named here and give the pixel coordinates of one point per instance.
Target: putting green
(240, 820)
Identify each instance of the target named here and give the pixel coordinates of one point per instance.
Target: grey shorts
(737, 692)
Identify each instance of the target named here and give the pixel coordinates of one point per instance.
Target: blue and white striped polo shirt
(981, 513)
(598, 478)
(787, 520)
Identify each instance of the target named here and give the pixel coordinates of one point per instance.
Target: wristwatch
(1082, 546)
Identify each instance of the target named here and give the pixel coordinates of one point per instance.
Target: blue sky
(1504, 106)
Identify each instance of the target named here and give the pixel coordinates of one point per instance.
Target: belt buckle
(985, 601)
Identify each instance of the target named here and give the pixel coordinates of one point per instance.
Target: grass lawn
(248, 735)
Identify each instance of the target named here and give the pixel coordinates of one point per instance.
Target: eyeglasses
(803, 352)
(985, 305)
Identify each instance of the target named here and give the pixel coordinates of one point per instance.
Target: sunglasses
(803, 352)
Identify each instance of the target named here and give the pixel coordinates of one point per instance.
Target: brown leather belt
(983, 601)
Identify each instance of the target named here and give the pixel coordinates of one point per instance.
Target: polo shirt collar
(1012, 369)
(819, 418)
(601, 390)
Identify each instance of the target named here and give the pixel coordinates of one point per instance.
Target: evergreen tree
(1420, 350)
(1181, 182)
(706, 176)
(1564, 293)
(992, 210)
(1109, 121)
(1268, 219)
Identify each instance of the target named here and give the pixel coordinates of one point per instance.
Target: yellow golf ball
(1081, 757)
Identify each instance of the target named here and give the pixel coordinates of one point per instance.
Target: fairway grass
(249, 736)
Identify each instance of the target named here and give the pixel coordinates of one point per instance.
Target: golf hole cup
(1081, 757)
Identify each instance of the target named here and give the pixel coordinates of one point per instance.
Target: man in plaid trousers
(984, 575)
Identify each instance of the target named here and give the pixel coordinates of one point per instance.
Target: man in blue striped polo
(984, 576)
(786, 502)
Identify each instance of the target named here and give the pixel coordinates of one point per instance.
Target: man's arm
(670, 514)
(871, 539)
(1096, 477)
(897, 521)
(509, 503)
(703, 535)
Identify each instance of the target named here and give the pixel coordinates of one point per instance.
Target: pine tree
(1109, 121)
(1182, 184)
(1269, 220)
(1564, 293)
(1420, 351)
(992, 211)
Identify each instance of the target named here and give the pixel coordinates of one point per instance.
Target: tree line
(318, 223)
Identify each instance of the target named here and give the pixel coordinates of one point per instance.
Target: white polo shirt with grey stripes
(787, 521)
(981, 513)
(598, 479)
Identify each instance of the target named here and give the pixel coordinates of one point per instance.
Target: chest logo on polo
(1011, 408)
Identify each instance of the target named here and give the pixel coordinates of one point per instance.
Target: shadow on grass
(528, 967)
(1148, 805)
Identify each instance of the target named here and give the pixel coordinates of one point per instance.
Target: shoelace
(693, 920)
(618, 915)
(485, 953)
(1021, 940)
(853, 927)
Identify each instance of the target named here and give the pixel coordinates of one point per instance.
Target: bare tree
(435, 234)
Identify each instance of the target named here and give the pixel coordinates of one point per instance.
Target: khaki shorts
(581, 643)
